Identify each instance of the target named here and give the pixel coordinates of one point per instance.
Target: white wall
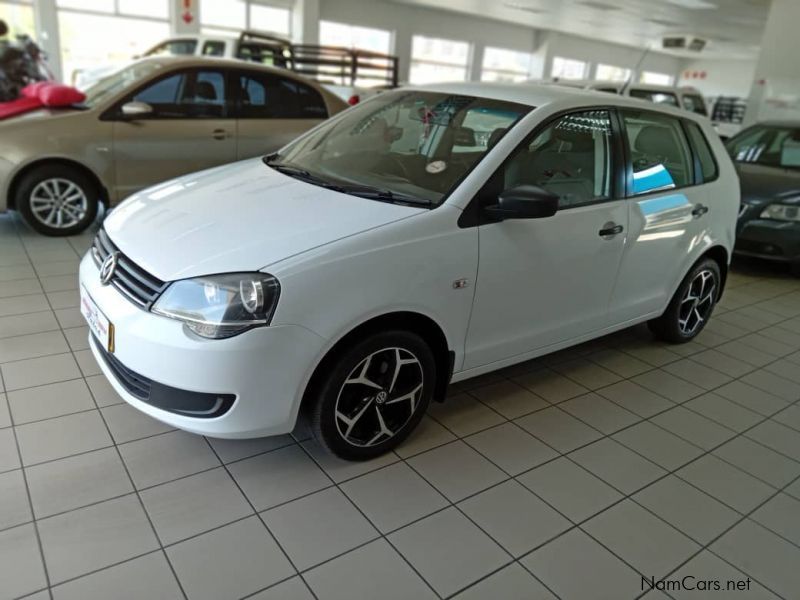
(724, 77)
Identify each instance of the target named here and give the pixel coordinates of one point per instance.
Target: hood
(761, 184)
(240, 217)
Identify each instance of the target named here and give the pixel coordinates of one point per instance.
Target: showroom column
(305, 22)
(46, 34)
(184, 16)
(775, 92)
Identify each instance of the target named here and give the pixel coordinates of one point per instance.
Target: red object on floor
(38, 95)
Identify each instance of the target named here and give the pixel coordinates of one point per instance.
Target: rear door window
(659, 152)
(269, 96)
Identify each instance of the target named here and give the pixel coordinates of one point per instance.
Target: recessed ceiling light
(693, 4)
(600, 5)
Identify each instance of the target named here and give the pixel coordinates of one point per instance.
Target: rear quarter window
(701, 148)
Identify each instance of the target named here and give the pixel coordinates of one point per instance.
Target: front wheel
(691, 306)
(57, 200)
(374, 395)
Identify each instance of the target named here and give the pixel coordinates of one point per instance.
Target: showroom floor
(572, 476)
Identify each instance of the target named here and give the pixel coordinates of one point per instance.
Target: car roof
(538, 95)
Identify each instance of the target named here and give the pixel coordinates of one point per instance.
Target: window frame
(473, 216)
(236, 95)
(114, 112)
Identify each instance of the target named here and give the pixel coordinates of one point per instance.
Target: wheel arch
(720, 256)
(424, 326)
(13, 187)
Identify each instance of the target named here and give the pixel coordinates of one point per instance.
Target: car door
(545, 281)
(273, 110)
(188, 128)
(667, 213)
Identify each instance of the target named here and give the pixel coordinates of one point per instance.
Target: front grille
(130, 279)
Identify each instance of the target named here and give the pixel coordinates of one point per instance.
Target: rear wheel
(691, 306)
(374, 395)
(57, 200)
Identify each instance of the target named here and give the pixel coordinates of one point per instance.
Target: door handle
(699, 210)
(611, 229)
(219, 134)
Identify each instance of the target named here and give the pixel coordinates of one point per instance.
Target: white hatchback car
(425, 236)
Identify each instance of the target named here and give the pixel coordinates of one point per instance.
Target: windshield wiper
(384, 195)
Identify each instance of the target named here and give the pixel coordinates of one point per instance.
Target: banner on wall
(186, 16)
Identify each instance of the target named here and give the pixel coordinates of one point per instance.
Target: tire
(360, 380)
(691, 306)
(57, 200)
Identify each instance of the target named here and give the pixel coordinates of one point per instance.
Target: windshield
(407, 143)
(773, 146)
(116, 82)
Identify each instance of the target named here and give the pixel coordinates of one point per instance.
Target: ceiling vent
(683, 42)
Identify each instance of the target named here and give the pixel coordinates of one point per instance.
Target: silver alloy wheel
(697, 303)
(58, 203)
(379, 397)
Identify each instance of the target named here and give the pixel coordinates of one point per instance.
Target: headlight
(781, 212)
(221, 306)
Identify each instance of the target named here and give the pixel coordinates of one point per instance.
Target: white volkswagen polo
(423, 237)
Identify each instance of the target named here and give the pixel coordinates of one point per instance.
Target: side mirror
(524, 202)
(133, 110)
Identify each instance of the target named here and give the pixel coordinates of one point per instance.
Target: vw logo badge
(108, 267)
(381, 397)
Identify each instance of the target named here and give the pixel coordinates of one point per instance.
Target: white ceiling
(733, 28)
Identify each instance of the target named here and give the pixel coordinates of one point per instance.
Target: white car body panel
(501, 293)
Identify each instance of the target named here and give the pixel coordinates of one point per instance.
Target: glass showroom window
(653, 78)
(505, 65)
(229, 17)
(568, 68)
(18, 17)
(350, 36)
(434, 59)
(612, 73)
(225, 14)
(270, 18)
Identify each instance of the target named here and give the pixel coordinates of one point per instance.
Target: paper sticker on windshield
(436, 166)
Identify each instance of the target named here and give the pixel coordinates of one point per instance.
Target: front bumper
(770, 239)
(265, 370)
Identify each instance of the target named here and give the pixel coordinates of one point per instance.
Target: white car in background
(429, 235)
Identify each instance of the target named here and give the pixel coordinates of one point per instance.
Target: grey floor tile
(509, 399)
(603, 576)
(713, 569)
(389, 577)
(646, 351)
(165, 457)
(777, 436)
(762, 555)
(456, 470)
(233, 450)
(9, 456)
(428, 435)
(658, 445)
(514, 517)
(62, 436)
(291, 589)
(103, 393)
(558, 429)
(790, 416)
(550, 385)
(60, 267)
(620, 363)
(759, 461)
(48, 401)
(21, 569)
(278, 476)
(786, 369)
(16, 325)
(393, 496)
(714, 359)
(39, 371)
(600, 413)
(13, 500)
(668, 385)
(726, 483)
(76, 481)
(57, 283)
(449, 551)
(20, 305)
(752, 398)
(722, 410)
(510, 583)
(741, 350)
(127, 424)
(641, 539)
(77, 338)
(318, 527)
(586, 373)
(340, 470)
(464, 415)
(781, 514)
(769, 382)
(697, 373)
(231, 562)
(64, 299)
(617, 465)
(635, 398)
(5, 415)
(32, 345)
(695, 513)
(148, 577)
(511, 448)
(693, 427)
(23, 287)
(94, 537)
(86, 361)
(572, 489)
(183, 508)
